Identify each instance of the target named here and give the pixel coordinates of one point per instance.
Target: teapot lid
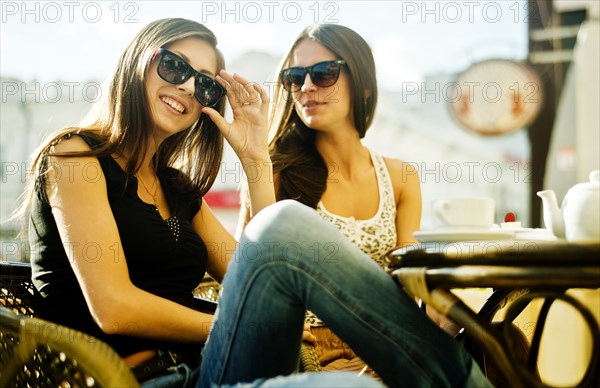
(593, 184)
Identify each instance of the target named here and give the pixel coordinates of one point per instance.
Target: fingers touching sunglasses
(175, 70)
(322, 74)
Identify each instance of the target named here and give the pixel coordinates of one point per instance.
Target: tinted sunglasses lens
(207, 91)
(325, 74)
(293, 78)
(175, 70)
(172, 69)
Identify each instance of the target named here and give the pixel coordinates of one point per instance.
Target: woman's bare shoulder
(70, 144)
(406, 182)
(401, 169)
(70, 165)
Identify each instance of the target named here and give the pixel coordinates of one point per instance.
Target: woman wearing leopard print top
(325, 101)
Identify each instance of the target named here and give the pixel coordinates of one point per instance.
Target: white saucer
(537, 234)
(463, 234)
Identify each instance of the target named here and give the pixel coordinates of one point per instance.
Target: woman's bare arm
(407, 189)
(116, 305)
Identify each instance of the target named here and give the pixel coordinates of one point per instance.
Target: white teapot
(578, 219)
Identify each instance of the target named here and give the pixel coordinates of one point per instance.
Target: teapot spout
(553, 216)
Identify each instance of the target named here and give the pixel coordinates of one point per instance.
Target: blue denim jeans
(181, 376)
(290, 259)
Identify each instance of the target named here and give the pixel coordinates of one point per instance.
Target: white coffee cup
(469, 212)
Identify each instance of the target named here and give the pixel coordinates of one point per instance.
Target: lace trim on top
(375, 236)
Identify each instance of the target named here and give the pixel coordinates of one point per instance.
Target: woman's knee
(277, 221)
(287, 210)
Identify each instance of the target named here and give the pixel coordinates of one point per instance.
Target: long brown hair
(121, 120)
(302, 173)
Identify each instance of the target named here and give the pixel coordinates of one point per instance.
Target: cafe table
(518, 271)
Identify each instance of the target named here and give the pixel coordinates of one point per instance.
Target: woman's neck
(343, 150)
(147, 166)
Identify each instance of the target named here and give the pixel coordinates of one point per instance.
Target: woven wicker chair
(16, 289)
(38, 353)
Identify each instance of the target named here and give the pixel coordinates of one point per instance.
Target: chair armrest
(41, 353)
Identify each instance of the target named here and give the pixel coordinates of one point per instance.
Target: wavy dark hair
(302, 173)
(121, 119)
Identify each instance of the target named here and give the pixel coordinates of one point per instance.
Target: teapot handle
(595, 176)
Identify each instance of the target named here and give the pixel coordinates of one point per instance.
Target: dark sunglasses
(175, 70)
(322, 74)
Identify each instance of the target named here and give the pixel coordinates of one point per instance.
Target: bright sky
(79, 41)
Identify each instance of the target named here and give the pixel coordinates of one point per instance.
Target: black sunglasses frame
(200, 80)
(286, 73)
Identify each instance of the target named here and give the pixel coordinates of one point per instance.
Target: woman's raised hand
(247, 133)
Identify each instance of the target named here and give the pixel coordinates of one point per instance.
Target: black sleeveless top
(164, 257)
